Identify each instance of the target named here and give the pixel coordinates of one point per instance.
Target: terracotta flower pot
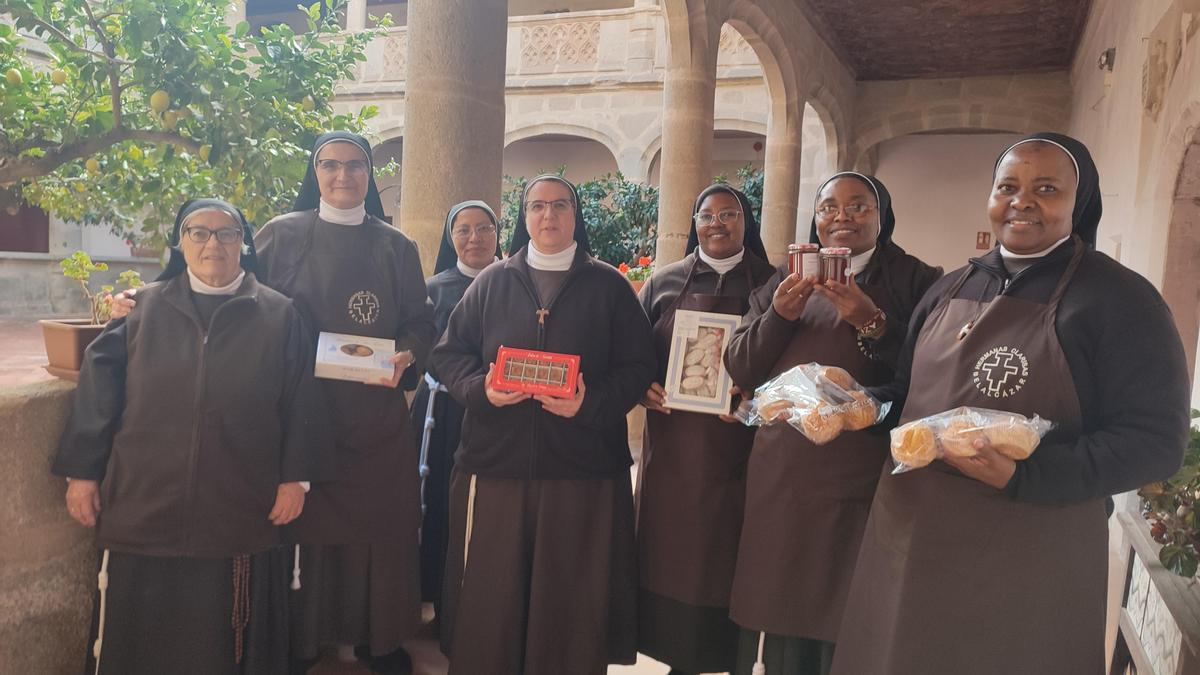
(637, 284)
(65, 341)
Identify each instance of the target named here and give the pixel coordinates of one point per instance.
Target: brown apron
(348, 289)
(807, 505)
(955, 577)
(692, 483)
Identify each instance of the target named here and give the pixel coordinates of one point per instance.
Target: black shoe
(394, 663)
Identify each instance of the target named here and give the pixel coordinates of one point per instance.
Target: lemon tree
(116, 111)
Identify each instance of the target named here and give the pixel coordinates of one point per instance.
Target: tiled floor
(23, 353)
(428, 660)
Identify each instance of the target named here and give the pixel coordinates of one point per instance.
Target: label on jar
(810, 265)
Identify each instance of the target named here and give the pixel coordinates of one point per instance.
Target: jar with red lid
(835, 260)
(804, 259)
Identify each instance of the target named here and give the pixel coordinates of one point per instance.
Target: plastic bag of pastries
(955, 432)
(819, 401)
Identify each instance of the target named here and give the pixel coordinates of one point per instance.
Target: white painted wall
(940, 185)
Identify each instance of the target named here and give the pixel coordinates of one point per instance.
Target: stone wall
(47, 561)
(32, 284)
(1007, 103)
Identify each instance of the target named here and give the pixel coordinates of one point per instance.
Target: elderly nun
(187, 448)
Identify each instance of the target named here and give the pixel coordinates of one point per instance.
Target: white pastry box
(696, 377)
(354, 358)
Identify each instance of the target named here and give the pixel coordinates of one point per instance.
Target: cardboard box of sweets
(354, 358)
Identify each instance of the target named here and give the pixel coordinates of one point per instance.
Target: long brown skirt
(174, 615)
(550, 585)
(356, 594)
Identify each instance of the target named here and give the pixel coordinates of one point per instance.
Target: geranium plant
(1170, 507)
(642, 272)
(79, 266)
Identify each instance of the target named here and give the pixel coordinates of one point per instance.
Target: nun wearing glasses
(188, 446)
(692, 478)
(540, 573)
(807, 505)
(470, 242)
(350, 272)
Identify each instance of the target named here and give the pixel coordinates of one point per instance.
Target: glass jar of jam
(804, 259)
(835, 260)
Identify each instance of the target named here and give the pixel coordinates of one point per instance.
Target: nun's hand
(502, 398)
(122, 303)
(83, 501)
(988, 467)
(401, 361)
(736, 392)
(852, 304)
(791, 296)
(564, 407)
(656, 399)
(289, 502)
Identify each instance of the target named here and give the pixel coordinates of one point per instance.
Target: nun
(692, 477)
(988, 565)
(348, 271)
(540, 573)
(470, 242)
(807, 505)
(188, 446)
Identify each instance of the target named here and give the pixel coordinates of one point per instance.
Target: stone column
(454, 114)
(686, 161)
(781, 185)
(235, 13)
(356, 15)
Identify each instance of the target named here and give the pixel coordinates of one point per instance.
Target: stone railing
(612, 45)
(387, 58)
(47, 561)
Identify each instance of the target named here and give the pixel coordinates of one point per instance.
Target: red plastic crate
(535, 372)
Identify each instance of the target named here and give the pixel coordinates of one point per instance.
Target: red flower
(644, 261)
(623, 268)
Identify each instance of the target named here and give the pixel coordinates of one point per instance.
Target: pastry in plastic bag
(955, 433)
(819, 401)
(1016, 441)
(862, 413)
(821, 425)
(914, 445)
(959, 436)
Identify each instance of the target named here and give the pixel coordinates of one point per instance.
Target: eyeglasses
(726, 217)
(201, 235)
(828, 211)
(352, 167)
(559, 206)
(466, 232)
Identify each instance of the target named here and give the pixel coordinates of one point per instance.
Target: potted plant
(66, 339)
(637, 276)
(1171, 508)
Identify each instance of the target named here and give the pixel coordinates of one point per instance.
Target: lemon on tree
(13, 77)
(58, 77)
(160, 101)
(93, 165)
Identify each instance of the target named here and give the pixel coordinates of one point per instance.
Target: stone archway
(1181, 271)
(583, 156)
(390, 150)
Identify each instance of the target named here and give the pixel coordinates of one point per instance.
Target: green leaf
(1180, 560)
